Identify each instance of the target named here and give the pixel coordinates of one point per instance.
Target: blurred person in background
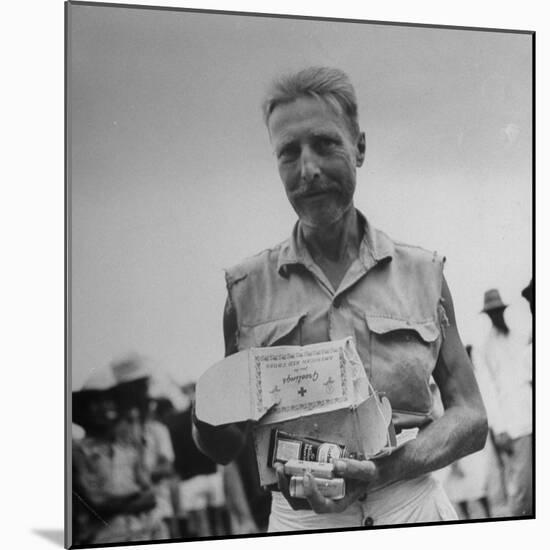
(242, 519)
(138, 428)
(114, 499)
(521, 493)
(527, 293)
(202, 505)
(164, 410)
(467, 479)
(240, 515)
(258, 498)
(511, 415)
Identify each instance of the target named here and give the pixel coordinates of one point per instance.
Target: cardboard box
(318, 391)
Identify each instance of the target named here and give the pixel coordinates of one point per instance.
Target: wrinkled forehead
(328, 102)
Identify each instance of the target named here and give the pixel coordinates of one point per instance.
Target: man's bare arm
(222, 443)
(461, 430)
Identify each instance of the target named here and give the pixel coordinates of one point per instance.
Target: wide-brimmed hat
(130, 369)
(99, 383)
(492, 301)
(99, 380)
(527, 292)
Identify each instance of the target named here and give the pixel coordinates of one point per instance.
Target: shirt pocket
(403, 354)
(278, 332)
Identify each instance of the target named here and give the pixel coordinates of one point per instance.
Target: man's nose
(309, 165)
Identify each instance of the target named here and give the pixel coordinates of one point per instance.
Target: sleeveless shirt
(389, 301)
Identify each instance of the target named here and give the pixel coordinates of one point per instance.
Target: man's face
(102, 411)
(317, 159)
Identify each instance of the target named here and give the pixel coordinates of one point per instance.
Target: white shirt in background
(508, 373)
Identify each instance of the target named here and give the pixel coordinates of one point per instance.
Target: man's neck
(337, 242)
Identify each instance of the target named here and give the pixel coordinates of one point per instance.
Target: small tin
(334, 489)
(299, 467)
(285, 446)
(327, 452)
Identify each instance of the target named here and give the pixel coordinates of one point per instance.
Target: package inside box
(360, 430)
(318, 391)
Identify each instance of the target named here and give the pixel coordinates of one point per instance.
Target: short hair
(328, 84)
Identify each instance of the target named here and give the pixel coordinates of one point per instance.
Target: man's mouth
(313, 194)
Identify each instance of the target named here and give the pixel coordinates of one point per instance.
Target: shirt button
(368, 522)
(337, 302)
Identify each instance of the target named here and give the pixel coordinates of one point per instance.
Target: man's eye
(288, 153)
(326, 143)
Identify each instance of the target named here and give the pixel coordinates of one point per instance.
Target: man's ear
(361, 147)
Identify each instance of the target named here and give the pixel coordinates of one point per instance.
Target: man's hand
(295, 503)
(359, 470)
(356, 488)
(322, 505)
(142, 502)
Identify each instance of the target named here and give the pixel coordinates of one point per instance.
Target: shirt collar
(375, 247)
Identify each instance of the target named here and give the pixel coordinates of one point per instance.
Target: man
(113, 499)
(511, 417)
(202, 510)
(338, 276)
(466, 482)
(524, 498)
(136, 427)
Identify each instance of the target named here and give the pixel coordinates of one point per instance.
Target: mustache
(312, 190)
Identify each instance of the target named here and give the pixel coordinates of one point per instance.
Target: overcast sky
(172, 176)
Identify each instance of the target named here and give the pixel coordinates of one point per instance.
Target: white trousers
(414, 501)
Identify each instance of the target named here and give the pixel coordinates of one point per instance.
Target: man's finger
(324, 505)
(282, 478)
(319, 503)
(362, 470)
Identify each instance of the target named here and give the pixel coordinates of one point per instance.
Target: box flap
(280, 383)
(223, 392)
